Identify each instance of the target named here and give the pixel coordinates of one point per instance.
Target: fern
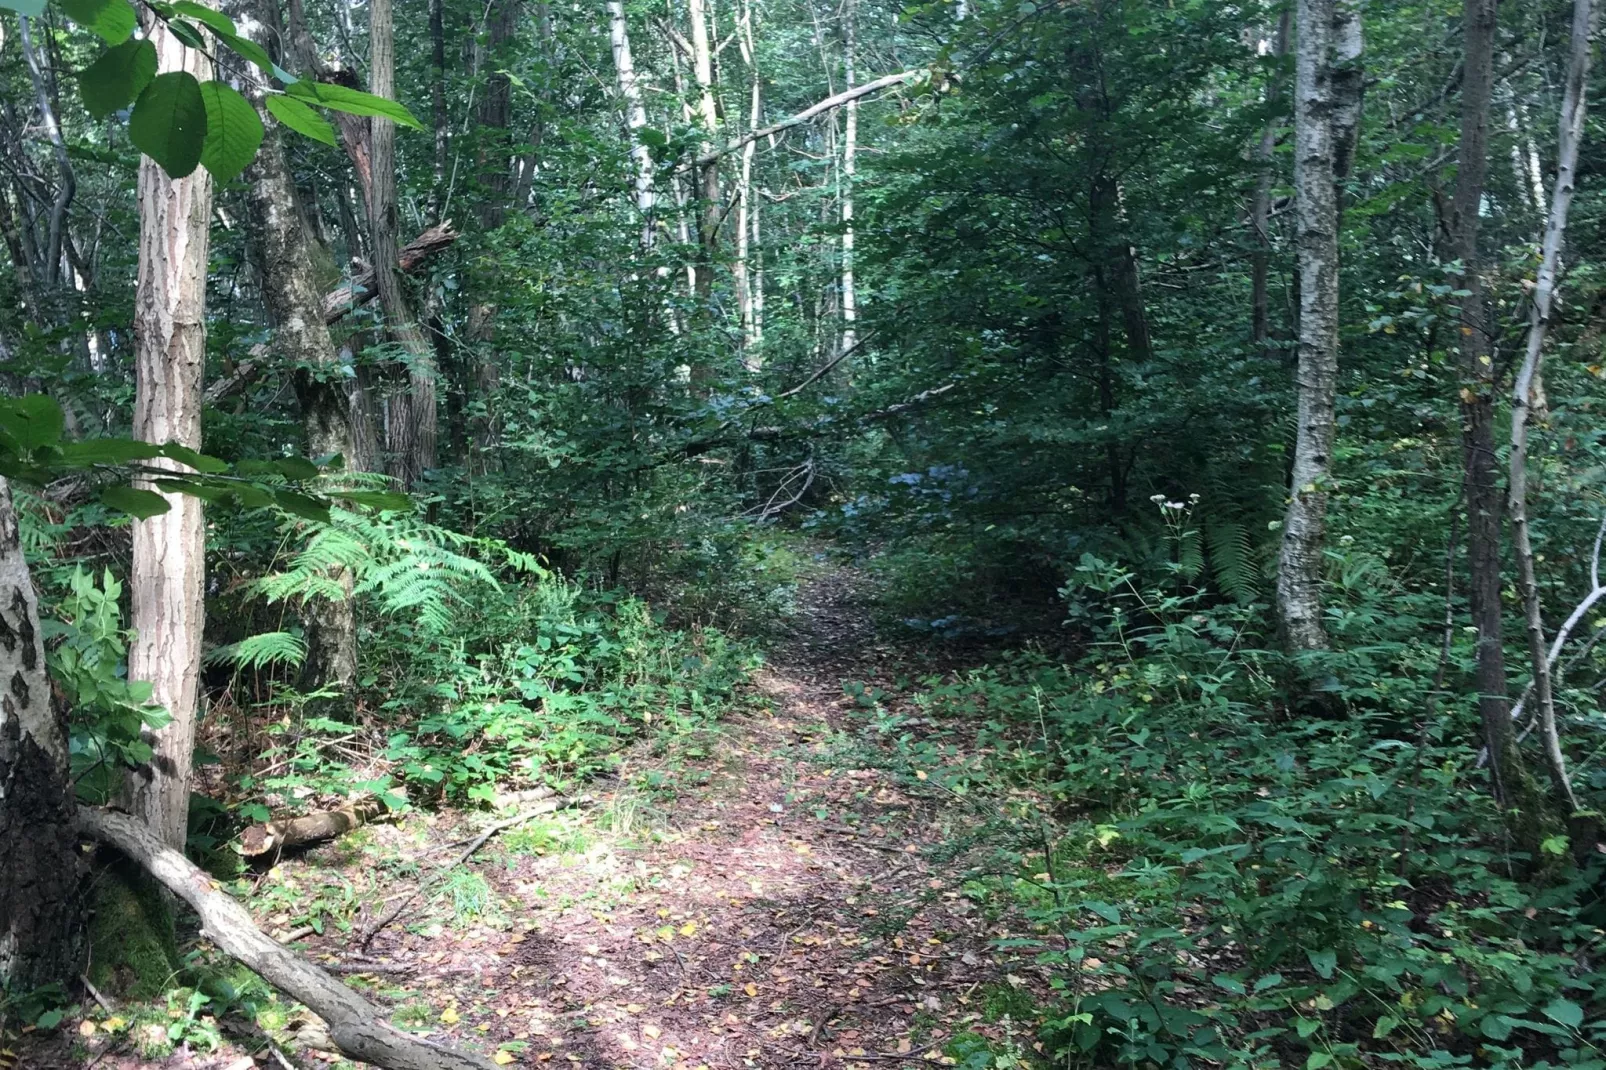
(1233, 559)
(406, 565)
(260, 651)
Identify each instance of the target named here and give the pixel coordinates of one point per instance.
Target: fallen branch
(309, 828)
(545, 806)
(360, 290)
(828, 104)
(356, 1027)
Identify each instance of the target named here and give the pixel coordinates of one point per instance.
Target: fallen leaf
(502, 1058)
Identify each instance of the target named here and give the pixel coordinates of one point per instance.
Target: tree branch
(355, 1026)
(828, 104)
(361, 289)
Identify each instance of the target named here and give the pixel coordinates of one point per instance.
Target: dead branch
(356, 1027)
(360, 290)
(819, 108)
(545, 806)
(309, 828)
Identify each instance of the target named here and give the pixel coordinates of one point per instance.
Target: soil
(758, 895)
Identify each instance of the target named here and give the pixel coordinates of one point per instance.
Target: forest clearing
(723, 534)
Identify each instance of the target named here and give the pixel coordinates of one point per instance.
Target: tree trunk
(169, 550)
(850, 148)
(411, 426)
(295, 308)
(624, 66)
(437, 55)
(1479, 465)
(1326, 113)
(749, 302)
(711, 210)
(41, 909)
(1573, 107)
(1260, 206)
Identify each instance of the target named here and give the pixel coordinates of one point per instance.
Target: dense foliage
(1018, 333)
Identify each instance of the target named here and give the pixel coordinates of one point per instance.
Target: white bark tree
(1327, 92)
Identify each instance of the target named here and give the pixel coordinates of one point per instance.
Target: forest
(726, 534)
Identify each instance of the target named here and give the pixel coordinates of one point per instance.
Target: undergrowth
(1206, 880)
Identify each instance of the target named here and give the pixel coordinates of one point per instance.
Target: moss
(133, 952)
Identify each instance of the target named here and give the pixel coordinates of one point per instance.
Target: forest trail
(756, 894)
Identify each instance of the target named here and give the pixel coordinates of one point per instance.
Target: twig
(107, 1005)
(546, 806)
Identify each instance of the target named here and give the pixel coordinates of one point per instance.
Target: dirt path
(757, 895)
(778, 910)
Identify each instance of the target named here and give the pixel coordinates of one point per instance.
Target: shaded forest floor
(760, 893)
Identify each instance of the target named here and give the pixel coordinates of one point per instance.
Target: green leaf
(1554, 845)
(142, 504)
(1323, 962)
(376, 499)
(300, 118)
(1104, 910)
(1566, 1012)
(1306, 1026)
(31, 8)
(655, 139)
(248, 50)
(233, 131)
(301, 505)
(49, 1019)
(1317, 1060)
(1230, 984)
(1271, 980)
(112, 20)
(33, 421)
(116, 79)
(169, 122)
(188, 33)
(1497, 1026)
(107, 451)
(194, 458)
(354, 102)
(297, 468)
(1385, 1025)
(201, 13)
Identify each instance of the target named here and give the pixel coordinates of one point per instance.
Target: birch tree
(40, 899)
(1327, 96)
(1525, 390)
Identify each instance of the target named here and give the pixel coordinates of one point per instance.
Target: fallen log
(360, 290)
(309, 828)
(356, 1027)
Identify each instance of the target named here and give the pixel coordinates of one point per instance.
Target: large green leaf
(194, 458)
(248, 50)
(354, 102)
(107, 451)
(143, 504)
(201, 13)
(116, 79)
(300, 118)
(233, 131)
(113, 20)
(33, 421)
(169, 122)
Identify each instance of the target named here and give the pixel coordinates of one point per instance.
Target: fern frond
(261, 651)
(1233, 559)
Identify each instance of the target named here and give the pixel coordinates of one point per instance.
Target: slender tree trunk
(1260, 205)
(1479, 463)
(1574, 102)
(169, 550)
(1326, 115)
(748, 302)
(850, 148)
(411, 425)
(294, 304)
(41, 908)
(711, 210)
(635, 110)
(437, 55)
